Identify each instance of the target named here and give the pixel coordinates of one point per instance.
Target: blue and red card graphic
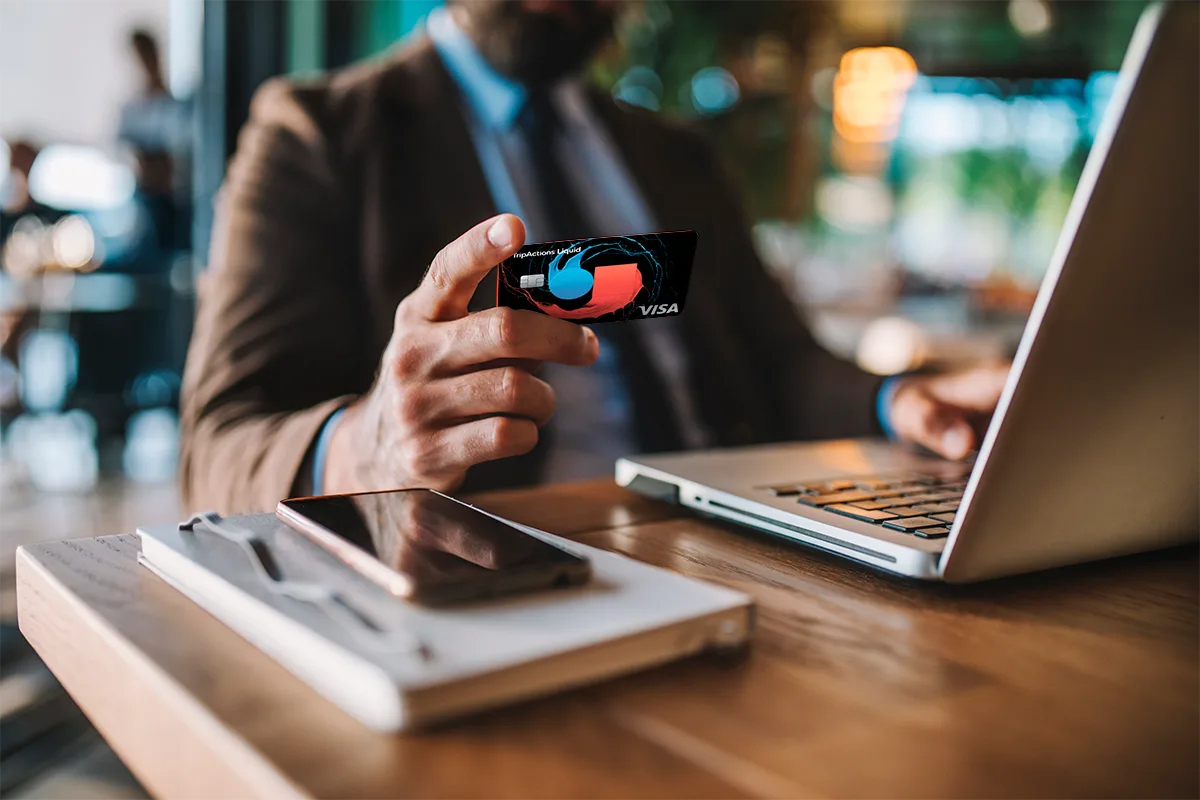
(604, 279)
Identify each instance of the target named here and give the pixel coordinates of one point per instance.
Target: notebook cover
(386, 661)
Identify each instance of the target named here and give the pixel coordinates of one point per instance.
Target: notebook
(397, 666)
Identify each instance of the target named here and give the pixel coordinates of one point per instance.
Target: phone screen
(437, 542)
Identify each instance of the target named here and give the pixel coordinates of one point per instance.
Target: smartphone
(426, 547)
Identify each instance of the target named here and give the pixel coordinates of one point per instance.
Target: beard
(536, 48)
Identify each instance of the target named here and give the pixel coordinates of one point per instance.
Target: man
(335, 350)
(157, 127)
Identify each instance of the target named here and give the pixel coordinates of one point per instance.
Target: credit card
(605, 279)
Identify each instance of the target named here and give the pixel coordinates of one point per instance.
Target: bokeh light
(854, 203)
(49, 364)
(23, 250)
(76, 178)
(891, 345)
(74, 243)
(639, 86)
(1030, 18)
(714, 89)
(869, 91)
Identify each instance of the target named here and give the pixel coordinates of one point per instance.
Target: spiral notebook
(396, 665)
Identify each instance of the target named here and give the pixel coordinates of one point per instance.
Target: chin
(537, 43)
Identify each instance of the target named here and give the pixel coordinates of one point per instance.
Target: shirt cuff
(322, 449)
(883, 404)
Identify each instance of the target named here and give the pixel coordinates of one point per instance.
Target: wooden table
(1077, 682)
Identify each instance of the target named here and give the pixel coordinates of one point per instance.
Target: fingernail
(956, 441)
(590, 336)
(500, 234)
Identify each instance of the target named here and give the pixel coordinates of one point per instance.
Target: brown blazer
(340, 194)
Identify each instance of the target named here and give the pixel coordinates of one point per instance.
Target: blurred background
(906, 164)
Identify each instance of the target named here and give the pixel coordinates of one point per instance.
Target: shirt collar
(495, 99)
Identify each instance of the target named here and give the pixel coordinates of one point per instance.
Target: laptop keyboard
(923, 505)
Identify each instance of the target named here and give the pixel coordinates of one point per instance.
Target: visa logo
(654, 311)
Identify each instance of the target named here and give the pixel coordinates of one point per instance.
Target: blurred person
(335, 349)
(16, 198)
(17, 319)
(144, 340)
(156, 126)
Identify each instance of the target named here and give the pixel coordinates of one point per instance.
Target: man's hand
(454, 389)
(947, 413)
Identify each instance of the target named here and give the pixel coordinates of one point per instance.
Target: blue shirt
(592, 425)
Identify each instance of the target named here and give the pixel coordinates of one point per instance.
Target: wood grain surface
(1077, 682)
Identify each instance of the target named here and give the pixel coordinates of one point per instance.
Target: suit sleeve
(820, 396)
(276, 342)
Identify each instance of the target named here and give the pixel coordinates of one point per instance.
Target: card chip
(533, 281)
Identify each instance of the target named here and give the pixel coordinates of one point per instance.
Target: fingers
(508, 391)
(503, 333)
(937, 411)
(918, 416)
(443, 427)
(457, 270)
(452, 450)
(976, 390)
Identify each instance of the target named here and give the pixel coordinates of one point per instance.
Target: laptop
(1093, 449)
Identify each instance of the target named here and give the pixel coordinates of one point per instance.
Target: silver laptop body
(1093, 450)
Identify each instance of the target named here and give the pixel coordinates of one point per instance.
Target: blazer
(341, 192)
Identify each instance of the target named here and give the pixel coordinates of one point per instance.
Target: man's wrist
(321, 450)
(345, 466)
(883, 403)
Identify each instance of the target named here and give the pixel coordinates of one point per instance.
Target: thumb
(457, 270)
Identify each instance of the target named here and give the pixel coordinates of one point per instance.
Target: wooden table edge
(203, 738)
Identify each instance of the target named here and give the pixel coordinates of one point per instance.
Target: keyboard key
(926, 497)
(920, 494)
(860, 513)
(894, 502)
(912, 523)
(900, 502)
(899, 489)
(872, 505)
(852, 496)
(932, 533)
(874, 483)
(907, 511)
(943, 517)
(824, 487)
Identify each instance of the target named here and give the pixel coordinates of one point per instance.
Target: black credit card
(606, 279)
